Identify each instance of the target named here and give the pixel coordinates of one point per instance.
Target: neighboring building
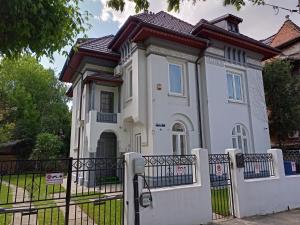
(164, 86)
(287, 39)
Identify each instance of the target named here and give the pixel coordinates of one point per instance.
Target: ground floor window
(138, 143)
(179, 139)
(240, 138)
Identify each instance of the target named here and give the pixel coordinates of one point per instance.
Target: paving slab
(291, 217)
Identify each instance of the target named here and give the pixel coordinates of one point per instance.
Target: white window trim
(234, 90)
(178, 134)
(247, 137)
(182, 80)
(128, 97)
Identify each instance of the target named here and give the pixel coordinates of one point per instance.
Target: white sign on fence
(294, 169)
(180, 170)
(54, 178)
(219, 169)
(257, 168)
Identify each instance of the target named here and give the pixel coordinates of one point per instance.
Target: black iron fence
(258, 165)
(291, 160)
(221, 185)
(169, 170)
(62, 191)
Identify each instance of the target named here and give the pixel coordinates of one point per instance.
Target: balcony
(107, 117)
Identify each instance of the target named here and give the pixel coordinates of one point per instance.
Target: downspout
(80, 112)
(198, 101)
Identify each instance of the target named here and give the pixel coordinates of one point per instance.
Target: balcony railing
(107, 117)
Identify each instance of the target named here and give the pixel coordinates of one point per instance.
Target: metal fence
(169, 170)
(62, 191)
(258, 165)
(291, 160)
(221, 185)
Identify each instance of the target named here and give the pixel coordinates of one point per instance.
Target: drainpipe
(80, 112)
(198, 101)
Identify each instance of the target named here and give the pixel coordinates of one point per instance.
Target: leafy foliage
(173, 4)
(48, 146)
(39, 26)
(6, 132)
(33, 100)
(282, 98)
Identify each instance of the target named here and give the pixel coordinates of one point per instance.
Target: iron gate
(221, 186)
(62, 192)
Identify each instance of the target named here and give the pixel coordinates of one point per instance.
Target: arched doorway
(106, 158)
(107, 145)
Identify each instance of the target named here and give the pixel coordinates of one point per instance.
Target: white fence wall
(177, 205)
(264, 195)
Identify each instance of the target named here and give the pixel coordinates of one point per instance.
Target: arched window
(179, 139)
(240, 138)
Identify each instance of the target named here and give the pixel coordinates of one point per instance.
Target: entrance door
(107, 149)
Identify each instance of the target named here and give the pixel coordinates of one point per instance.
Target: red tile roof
(288, 32)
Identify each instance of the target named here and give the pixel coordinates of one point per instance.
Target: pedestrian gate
(221, 186)
(62, 192)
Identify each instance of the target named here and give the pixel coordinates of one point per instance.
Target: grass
(41, 191)
(110, 212)
(4, 198)
(220, 201)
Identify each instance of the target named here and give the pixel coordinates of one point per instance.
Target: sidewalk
(285, 218)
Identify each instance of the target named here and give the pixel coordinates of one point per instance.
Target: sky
(259, 22)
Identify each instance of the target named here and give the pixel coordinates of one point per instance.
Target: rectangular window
(138, 143)
(175, 79)
(129, 83)
(234, 86)
(107, 102)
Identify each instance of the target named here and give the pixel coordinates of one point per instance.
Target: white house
(164, 86)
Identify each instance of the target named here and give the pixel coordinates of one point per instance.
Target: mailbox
(240, 163)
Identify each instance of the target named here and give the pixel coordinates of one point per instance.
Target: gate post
(129, 197)
(68, 191)
(237, 178)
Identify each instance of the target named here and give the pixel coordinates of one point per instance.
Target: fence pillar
(203, 177)
(277, 162)
(129, 210)
(237, 180)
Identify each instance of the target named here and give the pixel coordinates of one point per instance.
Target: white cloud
(259, 21)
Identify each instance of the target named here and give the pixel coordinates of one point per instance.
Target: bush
(48, 146)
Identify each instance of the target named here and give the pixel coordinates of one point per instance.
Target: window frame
(178, 135)
(235, 74)
(129, 83)
(235, 136)
(138, 143)
(181, 79)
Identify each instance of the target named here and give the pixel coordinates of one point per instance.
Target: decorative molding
(253, 61)
(214, 61)
(215, 51)
(153, 49)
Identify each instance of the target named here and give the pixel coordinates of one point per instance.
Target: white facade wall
(165, 109)
(223, 114)
(151, 111)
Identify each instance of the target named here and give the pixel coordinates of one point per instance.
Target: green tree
(33, 100)
(282, 92)
(39, 26)
(48, 146)
(174, 4)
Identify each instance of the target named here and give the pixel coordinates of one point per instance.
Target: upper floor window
(234, 86)
(125, 51)
(138, 143)
(175, 79)
(107, 102)
(240, 138)
(233, 27)
(129, 86)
